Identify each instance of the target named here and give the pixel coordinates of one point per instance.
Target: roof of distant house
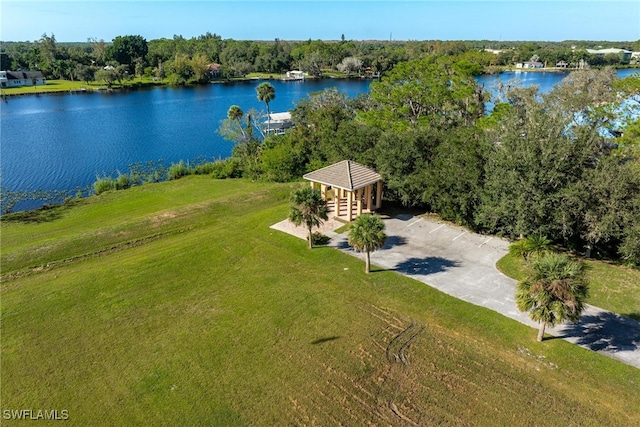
(280, 117)
(19, 75)
(607, 51)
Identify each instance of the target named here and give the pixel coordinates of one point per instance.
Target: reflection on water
(64, 141)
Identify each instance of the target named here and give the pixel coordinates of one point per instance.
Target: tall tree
(266, 93)
(308, 208)
(554, 293)
(126, 50)
(366, 234)
(235, 114)
(433, 92)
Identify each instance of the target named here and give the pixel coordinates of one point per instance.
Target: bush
(123, 181)
(178, 170)
(104, 184)
(318, 239)
(280, 163)
(227, 168)
(204, 168)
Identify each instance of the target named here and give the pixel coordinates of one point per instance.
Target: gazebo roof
(346, 174)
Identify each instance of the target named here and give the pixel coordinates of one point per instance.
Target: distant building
(561, 64)
(625, 55)
(214, 71)
(21, 78)
(277, 123)
(294, 75)
(494, 51)
(530, 64)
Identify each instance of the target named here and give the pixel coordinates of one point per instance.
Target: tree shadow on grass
(325, 339)
(423, 266)
(605, 331)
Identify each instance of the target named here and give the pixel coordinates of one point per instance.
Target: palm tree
(555, 291)
(366, 235)
(267, 93)
(308, 208)
(235, 113)
(534, 245)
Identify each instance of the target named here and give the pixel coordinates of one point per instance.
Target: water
(61, 142)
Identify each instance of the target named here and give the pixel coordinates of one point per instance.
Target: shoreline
(147, 85)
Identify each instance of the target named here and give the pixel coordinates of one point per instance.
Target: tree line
(565, 164)
(183, 60)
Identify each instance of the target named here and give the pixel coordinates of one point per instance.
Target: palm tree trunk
(310, 239)
(367, 264)
(541, 331)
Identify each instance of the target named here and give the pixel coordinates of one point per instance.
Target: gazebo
(348, 187)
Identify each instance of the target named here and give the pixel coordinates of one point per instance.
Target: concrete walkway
(462, 264)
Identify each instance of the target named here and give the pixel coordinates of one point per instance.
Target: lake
(64, 141)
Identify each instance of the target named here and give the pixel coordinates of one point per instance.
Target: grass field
(54, 86)
(612, 287)
(176, 304)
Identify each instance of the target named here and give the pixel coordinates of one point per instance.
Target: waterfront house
(21, 78)
(530, 64)
(214, 71)
(294, 75)
(278, 123)
(625, 55)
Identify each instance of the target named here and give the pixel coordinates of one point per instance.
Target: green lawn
(176, 304)
(74, 86)
(612, 287)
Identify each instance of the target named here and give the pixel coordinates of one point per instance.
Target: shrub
(178, 170)
(204, 168)
(318, 238)
(227, 168)
(104, 184)
(123, 181)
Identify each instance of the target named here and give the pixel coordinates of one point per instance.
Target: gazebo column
(323, 192)
(378, 194)
(336, 200)
(359, 201)
(313, 184)
(349, 203)
(367, 197)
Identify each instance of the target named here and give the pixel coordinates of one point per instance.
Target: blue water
(61, 142)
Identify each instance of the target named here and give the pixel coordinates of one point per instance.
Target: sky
(540, 20)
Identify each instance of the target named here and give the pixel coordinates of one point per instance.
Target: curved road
(462, 264)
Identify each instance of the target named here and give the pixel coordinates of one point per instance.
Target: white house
(530, 64)
(278, 123)
(294, 75)
(21, 78)
(625, 55)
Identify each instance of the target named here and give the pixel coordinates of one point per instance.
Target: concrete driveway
(462, 264)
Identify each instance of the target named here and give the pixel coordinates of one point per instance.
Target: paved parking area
(462, 264)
